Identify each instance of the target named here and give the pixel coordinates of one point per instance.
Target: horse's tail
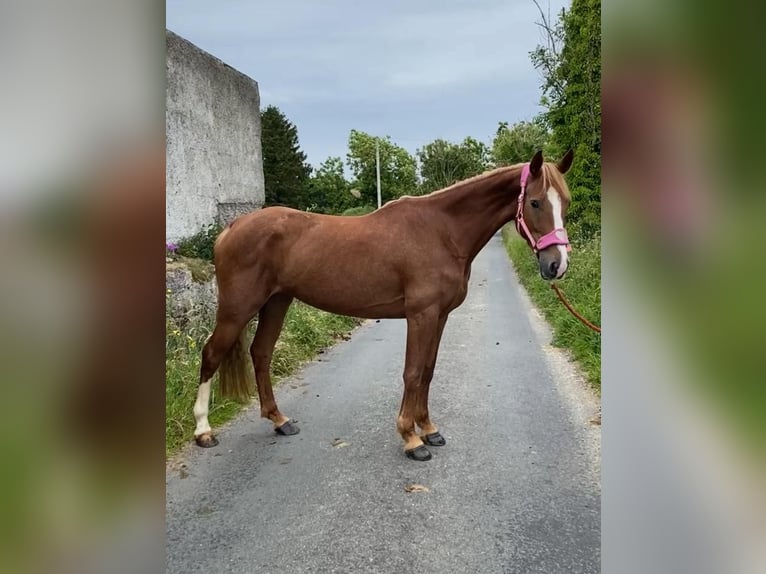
(235, 373)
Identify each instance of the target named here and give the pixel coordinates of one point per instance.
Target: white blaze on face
(558, 223)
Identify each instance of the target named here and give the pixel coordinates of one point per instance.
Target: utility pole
(377, 167)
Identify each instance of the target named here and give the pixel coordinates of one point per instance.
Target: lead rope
(582, 319)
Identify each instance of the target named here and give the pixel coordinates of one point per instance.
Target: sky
(414, 71)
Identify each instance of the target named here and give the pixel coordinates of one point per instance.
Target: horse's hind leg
(220, 343)
(270, 321)
(225, 346)
(429, 433)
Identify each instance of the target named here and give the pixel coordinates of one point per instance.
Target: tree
(328, 190)
(443, 163)
(518, 143)
(571, 67)
(285, 171)
(397, 168)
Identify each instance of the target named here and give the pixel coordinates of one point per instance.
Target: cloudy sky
(413, 70)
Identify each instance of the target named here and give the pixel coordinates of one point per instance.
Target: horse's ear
(566, 161)
(536, 163)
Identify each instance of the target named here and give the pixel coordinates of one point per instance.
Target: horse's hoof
(287, 429)
(420, 453)
(206, 440)
(434, 439)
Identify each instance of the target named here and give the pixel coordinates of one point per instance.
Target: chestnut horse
(409, 259)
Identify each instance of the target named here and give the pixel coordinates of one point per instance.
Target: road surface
(516, 488)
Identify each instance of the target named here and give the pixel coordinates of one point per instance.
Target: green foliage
(328, 189)
(582, 287)
(571, 68)
(518, 143)
(200, 245)
(285, 171)
(443, 163)
(306, 331)
(361, 210)
(397, 168)
(584, 215)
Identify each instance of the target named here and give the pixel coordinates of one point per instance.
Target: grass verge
(582, 287)
(306, 331)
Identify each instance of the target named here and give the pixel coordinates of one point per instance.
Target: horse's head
(541, 210)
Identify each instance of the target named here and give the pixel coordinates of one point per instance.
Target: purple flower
(171, 247)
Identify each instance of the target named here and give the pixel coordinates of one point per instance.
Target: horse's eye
(535, 203)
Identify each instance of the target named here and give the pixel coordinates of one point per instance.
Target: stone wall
(190, 300)
(213, 131)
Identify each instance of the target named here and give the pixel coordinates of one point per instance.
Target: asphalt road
(516, 488)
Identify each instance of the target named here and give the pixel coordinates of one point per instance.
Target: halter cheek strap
(556, 237)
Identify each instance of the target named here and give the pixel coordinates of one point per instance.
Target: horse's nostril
(554, 267)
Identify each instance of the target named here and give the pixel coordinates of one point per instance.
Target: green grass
(582, 287)
(306, 331)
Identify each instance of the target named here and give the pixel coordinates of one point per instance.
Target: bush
(200, 245)
(584, 216)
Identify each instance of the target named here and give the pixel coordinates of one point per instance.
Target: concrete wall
(213, 131)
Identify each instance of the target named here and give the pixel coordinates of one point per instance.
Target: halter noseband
(556, 237)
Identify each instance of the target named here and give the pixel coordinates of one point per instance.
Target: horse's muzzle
(552, 263)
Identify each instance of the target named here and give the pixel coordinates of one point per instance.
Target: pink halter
(556, 237)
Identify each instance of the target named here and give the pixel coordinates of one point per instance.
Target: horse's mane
(478, 178)
(551, 176)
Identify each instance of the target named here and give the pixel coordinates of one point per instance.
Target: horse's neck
(478, 209)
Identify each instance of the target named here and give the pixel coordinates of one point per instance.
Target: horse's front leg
(422, 328)
(429, 433)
